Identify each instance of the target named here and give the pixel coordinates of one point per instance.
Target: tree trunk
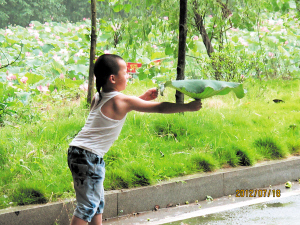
(92, 53)
(181, 48)
(199, 20)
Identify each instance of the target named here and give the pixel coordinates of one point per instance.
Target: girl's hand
(195, 105)
(149, 95)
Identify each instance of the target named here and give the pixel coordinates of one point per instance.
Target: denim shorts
(88, 171)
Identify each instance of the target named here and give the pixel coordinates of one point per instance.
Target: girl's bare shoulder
(123, 97)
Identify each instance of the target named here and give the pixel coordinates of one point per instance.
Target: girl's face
(123, 76)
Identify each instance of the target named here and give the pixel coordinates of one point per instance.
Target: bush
(229, 65)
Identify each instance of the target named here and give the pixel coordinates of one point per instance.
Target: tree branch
(13, 61)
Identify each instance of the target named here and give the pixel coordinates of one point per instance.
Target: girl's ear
(112, 79)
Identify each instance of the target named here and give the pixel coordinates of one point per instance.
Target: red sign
(157, 61)
(132, 67)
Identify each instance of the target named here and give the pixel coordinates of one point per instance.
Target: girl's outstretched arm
(128, 103)
(117, 107)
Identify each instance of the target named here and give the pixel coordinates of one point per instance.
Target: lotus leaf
(200, 89)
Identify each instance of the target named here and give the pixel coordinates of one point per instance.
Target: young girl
(104, 123)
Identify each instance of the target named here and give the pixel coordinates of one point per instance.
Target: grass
(26, 196)
(270, 148)
(203, 163)
(227, 132)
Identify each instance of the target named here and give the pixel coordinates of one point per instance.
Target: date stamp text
(257, 193)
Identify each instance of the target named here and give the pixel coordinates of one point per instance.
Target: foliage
(269, 51)
(53, 51)
(22, 12)
(5, 111)
(123, 29)
(6, 95)
(232, 14)
(224, 64)
(231, 65)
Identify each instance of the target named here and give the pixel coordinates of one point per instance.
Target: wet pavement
(271, 205)
(279, 211)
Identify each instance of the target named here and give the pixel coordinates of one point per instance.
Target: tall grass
(227, 132)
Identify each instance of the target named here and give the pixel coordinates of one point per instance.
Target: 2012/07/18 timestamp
(258, 193)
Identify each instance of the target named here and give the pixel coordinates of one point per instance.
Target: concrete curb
(176, 191)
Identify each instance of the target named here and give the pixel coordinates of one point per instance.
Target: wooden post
(181, 48)
(92, 53)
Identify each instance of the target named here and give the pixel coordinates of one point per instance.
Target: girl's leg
(97, 220)
(77, 221)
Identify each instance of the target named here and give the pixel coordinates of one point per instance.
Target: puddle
(279, 204)
(279, 211)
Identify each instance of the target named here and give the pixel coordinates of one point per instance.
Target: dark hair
(105, 66)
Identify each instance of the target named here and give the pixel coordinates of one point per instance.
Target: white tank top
(99, 131)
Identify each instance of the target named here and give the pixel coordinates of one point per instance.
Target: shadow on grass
(27, 196)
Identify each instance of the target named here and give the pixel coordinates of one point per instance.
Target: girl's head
(105, 66)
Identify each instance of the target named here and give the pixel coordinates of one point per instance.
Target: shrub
(229, 64)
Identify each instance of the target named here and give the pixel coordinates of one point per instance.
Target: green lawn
(227, 132)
